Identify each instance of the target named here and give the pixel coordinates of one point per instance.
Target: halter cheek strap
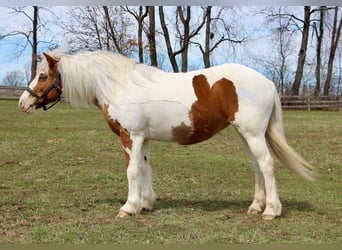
(54, 85)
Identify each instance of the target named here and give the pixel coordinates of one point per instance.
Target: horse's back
(198, 104)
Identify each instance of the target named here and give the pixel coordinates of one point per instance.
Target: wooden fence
(312, 102)
(288, 102)
(11, 92)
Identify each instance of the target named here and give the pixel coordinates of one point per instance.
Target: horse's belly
(163, 116)
(175, 122)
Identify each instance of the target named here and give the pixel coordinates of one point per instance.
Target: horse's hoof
(122, 214)
(253, 211)
(268, 217)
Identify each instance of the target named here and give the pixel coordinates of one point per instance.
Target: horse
(143, 103)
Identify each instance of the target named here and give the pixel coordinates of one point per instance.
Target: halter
(41, 97)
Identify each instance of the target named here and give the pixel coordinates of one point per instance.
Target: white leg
(148, 196)
(134, 176)
(258, 147)
(259, 201)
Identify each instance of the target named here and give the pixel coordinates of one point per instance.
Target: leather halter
(54, 85)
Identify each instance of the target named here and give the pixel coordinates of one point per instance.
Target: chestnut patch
(214, 109)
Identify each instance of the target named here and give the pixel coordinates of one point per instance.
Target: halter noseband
(54, 85)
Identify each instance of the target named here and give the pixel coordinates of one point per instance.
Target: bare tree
(34, 41)
(302, 50)
(93, 18)
(139, 16)
(14, 78)
(335, 36)
(303, 25)
(276, 63)
(171, 54)
(111, 30)
(319, 36)
(217, 31)
(98, 27)
(339, 72)
(84, 29)
(152, 35)
(29, 35)
(185, 32)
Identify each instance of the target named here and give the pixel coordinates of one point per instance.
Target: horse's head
(45, 89)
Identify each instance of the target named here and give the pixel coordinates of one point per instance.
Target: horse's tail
(275, 137)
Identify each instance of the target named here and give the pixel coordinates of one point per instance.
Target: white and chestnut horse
(142, 103)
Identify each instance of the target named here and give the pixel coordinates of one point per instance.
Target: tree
(139, 16)
(29, 35)
(84, 29)
(184, 34)
(303, 25)
(276, 63)
(302, 50)
(335, 36)
(319, 36)
(217, 31)
(111, 30)
(152, 35)
(34, 41)
(14, 78)
(171, 54)
(94, 28)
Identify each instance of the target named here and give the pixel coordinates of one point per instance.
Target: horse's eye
(42, 78)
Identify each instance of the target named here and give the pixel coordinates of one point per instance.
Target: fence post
(309, 104)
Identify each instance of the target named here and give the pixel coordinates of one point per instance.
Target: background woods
(298, 48)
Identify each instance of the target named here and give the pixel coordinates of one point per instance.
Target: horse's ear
(51, 61)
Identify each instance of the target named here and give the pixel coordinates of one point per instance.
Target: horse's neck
(95, 77)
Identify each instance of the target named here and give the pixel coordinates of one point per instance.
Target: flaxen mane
(92, 74)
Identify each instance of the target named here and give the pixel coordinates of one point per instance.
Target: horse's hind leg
(259, 201)
(262, 158)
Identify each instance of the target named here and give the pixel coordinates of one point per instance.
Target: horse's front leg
(133, 144)
(148, 196)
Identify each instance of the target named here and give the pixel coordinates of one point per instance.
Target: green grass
(62, 180)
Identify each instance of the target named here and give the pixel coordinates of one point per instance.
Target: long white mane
(91, 74)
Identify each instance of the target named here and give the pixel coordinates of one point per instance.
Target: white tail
(275, 137)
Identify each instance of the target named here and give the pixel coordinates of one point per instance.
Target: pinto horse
(142, 103)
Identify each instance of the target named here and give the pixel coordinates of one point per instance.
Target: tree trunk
(336, 32)
(302, 52)
(170, 53)
(111, 29)
(186, 35)
(206, 52)
(34, 42)
(92, 15)
(140, 20)
(319, 35)
(139, 16)
(152, 36)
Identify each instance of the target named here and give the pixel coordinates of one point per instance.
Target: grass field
(62, 180)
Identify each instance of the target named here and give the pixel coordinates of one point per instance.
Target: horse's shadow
(240, 206)
(205, 205)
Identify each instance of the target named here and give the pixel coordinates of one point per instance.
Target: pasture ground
(62, 180)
